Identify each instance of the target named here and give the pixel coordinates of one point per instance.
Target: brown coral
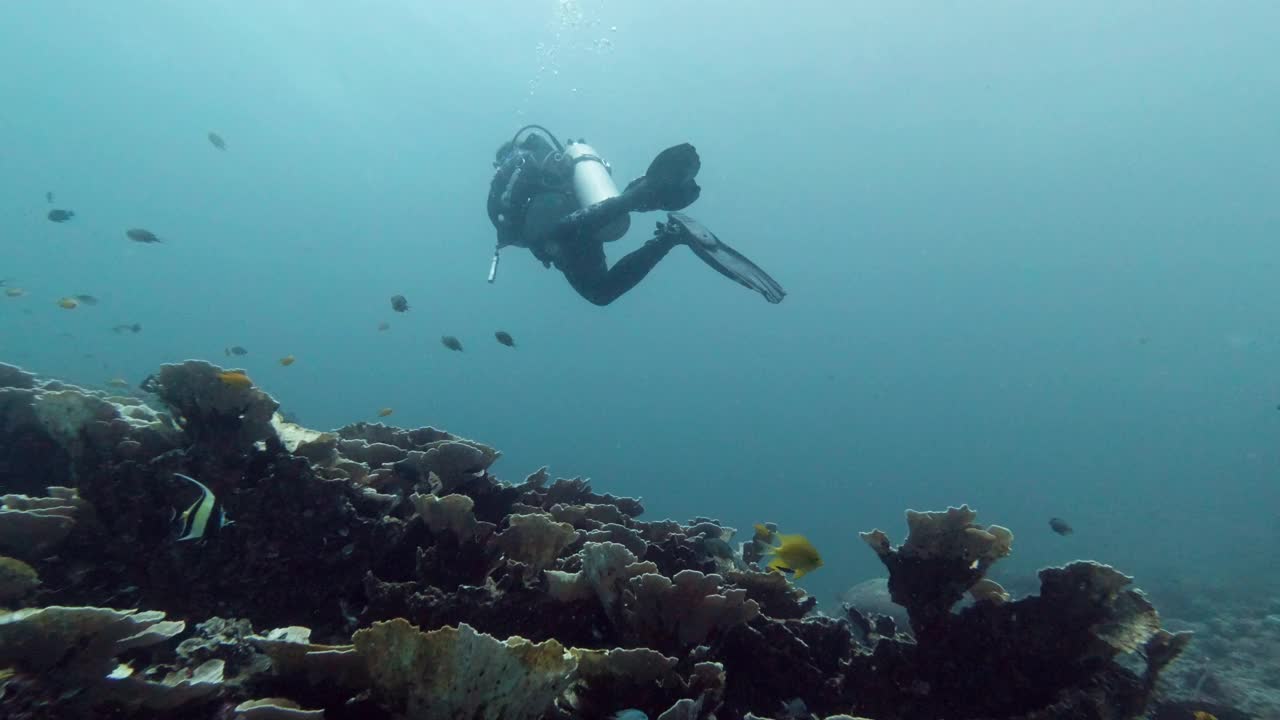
(460, 674)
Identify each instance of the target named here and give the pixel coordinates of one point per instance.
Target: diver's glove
(669, 182)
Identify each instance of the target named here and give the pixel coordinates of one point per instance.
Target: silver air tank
(592, 183)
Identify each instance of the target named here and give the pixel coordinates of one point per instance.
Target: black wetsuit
(571, 243)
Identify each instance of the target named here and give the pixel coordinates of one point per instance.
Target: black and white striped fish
(205, 514)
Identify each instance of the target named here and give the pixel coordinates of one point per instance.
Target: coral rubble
(404, 580)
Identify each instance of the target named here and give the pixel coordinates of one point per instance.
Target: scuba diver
(562, 204)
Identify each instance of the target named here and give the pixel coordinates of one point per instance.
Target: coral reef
(1232, 670)
(404, 580)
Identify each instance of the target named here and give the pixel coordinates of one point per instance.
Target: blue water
(1030, 249)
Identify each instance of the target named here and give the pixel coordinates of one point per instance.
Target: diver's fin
(668, 184)
(722, 258)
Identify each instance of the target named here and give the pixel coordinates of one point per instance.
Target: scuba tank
(593, 182)
(570, 178)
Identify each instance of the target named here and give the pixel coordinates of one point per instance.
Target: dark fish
(217, 141)
(235, 350)
(505, 338)
(382, 326)
(451, 342)
(87, 299)
(205, 514)
(127, 327)
(60, 216)
(48, 196)
(398, 303)
(141, 235)
(1060, 526)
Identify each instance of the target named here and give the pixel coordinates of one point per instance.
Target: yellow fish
(796, 554)
(15, 292)
(1202, 715)
(67, 303)
(287, 360)
(118, 382)
(385, 412)
(235, 379)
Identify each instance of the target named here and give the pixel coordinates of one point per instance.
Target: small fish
(204, 514)
(127, 327)
(141, 235)
(1203, 715)
(399, 304)
(1060, 526)
(14, 292)
(216, 140)
(795, 554)
(384, 326)
(48, 196)
(235, 379)
(87, 299)
(287, 360)
(118, 382)
(385, 412)
(762, 534)
(60, 216)
(451, 342)
(235, 350)
(505, 338)
(68, 303)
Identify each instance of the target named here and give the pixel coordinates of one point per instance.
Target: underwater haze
(1030, 249)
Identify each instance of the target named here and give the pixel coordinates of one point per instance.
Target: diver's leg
(668, 185)
(601, 285)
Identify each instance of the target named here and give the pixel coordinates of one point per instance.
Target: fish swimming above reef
(141, 235)
(1060, 526)
(287, 360)
(399, 304)
(205, 513)
(235, 350)
(451, 342)
(118, 382)
(60, 216)
(48, 196)
(14, 292)
(235, 379)
(127, 327)
(216, 140)
(68, 303)
(384, 326)
(794, 554)
(87, 299)
(505, 338)
(384, 412)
